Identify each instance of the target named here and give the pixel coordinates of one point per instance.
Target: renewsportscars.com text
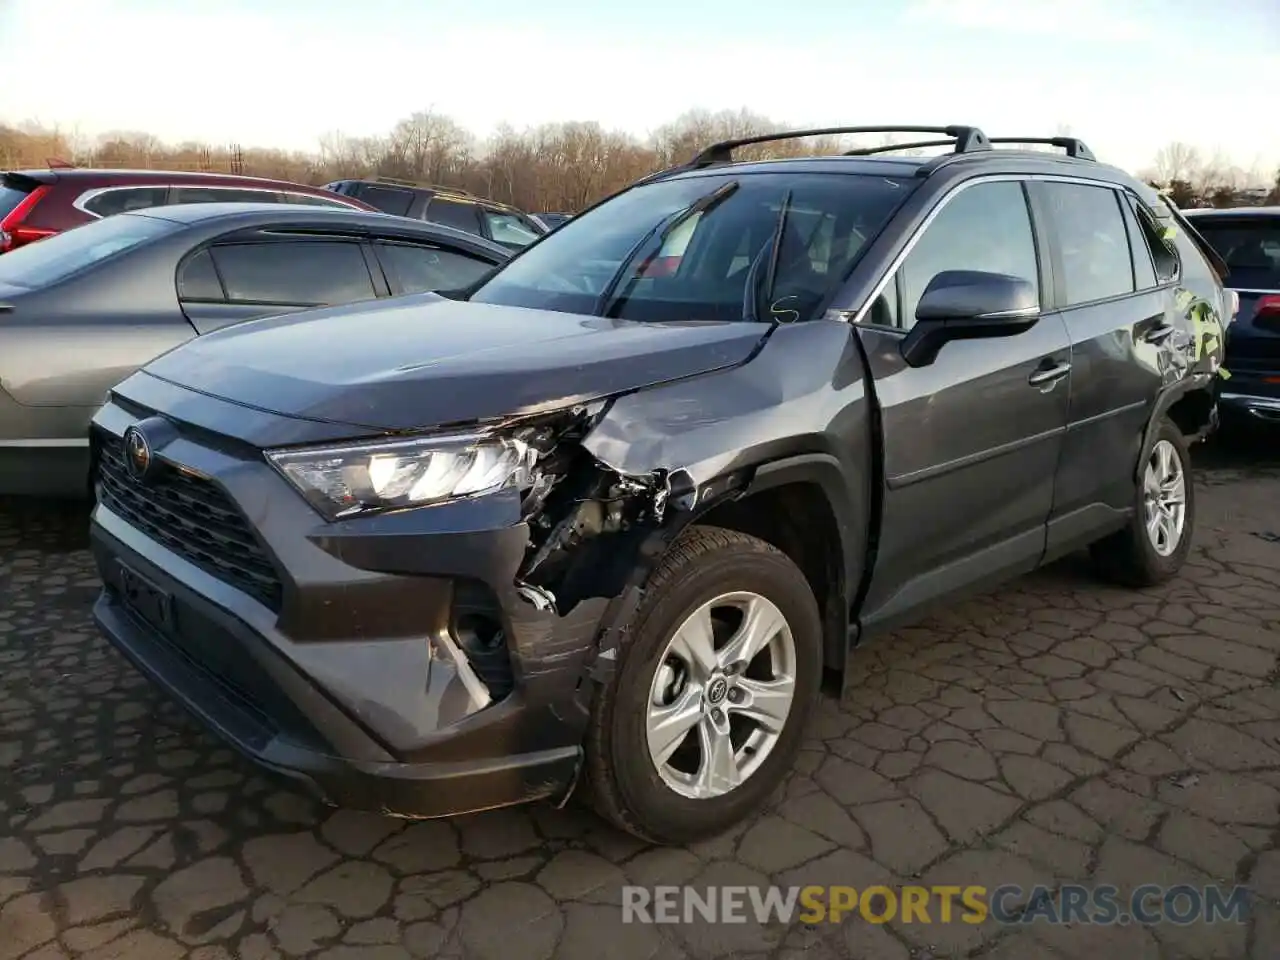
(1008, 904)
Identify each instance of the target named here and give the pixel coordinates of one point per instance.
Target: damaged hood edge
(422, 363)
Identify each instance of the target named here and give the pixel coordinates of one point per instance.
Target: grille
(191, 517)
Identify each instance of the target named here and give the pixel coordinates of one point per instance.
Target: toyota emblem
(137, 453)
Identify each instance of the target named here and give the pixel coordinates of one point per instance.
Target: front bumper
(357, 681)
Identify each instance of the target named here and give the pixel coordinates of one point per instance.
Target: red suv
(35, 204)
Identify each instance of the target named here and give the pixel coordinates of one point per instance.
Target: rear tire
(738, 743)
(1154, 544)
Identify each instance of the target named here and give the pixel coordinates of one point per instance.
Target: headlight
(343, 481)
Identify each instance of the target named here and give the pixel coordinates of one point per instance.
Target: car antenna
(57, 163)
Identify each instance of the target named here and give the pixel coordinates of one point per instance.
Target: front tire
(705, 712)
(1154, 544)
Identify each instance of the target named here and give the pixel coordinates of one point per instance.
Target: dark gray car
(81, 311)
(612, 516)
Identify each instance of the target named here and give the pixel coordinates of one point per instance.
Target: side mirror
(969, 305)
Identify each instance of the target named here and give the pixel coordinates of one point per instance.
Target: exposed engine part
(541, 598)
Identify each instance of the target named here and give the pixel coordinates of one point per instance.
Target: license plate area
(145, 599)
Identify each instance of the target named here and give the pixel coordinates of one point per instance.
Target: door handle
(1053, 374)
(1159, 333)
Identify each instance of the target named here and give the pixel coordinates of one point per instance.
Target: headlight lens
(343, 481)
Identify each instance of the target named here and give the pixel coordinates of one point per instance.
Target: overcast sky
(1127, 76)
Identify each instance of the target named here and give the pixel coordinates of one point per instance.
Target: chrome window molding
(81, 202)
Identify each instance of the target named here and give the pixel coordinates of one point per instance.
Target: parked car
(1248, 239)
(447, 206)
(580, 523)
(83, 310)
(551, 221)
(35, 204)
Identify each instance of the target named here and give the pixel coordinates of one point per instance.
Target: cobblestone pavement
(1053, 731)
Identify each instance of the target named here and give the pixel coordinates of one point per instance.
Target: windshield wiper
(660, 231)
(750, 298)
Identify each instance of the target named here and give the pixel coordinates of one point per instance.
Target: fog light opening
(483, 641)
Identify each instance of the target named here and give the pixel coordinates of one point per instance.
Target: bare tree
(1178, 161)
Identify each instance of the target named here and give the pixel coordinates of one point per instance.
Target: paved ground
(1054, 731)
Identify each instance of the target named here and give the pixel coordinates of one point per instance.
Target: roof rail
(1072, 146)
(890, 147)
(965, 140)
(400, 182)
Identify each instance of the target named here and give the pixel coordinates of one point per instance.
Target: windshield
(55, 258)
(1250, 245)
(723, 247)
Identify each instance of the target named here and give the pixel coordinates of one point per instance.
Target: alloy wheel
(721, 695)
(1164, 488)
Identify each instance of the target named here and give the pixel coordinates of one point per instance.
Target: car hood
(426, 361)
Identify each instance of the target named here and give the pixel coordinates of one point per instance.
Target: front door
(972, 440)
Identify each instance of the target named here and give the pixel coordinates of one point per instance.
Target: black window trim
(240, 239)
(893, 273)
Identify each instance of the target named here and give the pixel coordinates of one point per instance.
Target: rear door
(972, 440)
(246, 277)
(1127, 342)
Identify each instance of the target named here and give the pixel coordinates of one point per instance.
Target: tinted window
(1144, 271)
(124, 200)
(509, 229)
(72, 251)
(198, 280)
(1162, 254)
(10, 198)
(219, 195)
(294, 272)
(1250, 245)
(387, 199)
(983, 227)
(1091, 236)
(413, 269)
(460, 216)
(718, 264)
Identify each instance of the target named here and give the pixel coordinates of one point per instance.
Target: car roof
(986, 161)
(247, 215)
(106, 175)
(1203, 212)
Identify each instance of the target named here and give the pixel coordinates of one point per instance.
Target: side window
(198, 280)
(294, 272)
(1096, 263)
(126, 199)
(984, 227)
(415, 269)
(450, 213)
(387, 199)
(179, 194)
(307, 200)
(509, 229)
(1144, 269)
(1163, 256)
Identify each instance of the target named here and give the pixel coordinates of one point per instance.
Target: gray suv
(611, 516)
